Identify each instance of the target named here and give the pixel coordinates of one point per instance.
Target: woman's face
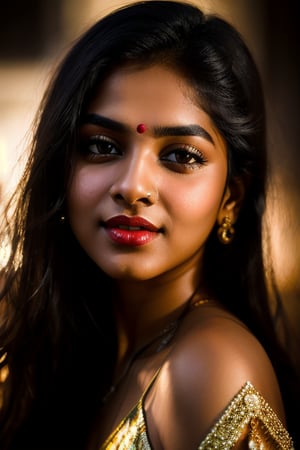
(143, 199)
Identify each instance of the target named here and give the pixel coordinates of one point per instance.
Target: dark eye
(186, 156)
(100, 146)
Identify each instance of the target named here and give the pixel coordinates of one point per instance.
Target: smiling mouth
(130, 231)
(130, 223)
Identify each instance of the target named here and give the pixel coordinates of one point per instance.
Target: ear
(232, 200)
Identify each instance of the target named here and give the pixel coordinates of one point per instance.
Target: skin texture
(183, 198)
(188, 196)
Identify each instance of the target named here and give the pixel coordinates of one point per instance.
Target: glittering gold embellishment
(248, 409)
(131, 433)
(252, 401)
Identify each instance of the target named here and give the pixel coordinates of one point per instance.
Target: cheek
(198, 201)
(85, 189)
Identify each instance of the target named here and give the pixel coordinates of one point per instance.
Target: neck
(141, 318)
(156, 344)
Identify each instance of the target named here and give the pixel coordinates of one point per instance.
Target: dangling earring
(62, 219)
(226, 231)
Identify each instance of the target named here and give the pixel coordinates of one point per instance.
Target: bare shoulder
(214, 356)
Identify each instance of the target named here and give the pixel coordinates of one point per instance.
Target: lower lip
(131, 238)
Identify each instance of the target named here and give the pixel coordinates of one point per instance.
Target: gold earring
(226, 231)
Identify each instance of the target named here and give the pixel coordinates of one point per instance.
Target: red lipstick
(132, 231)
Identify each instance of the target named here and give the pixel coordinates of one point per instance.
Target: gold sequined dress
(247, 410)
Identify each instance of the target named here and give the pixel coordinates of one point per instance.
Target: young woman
(135, 307)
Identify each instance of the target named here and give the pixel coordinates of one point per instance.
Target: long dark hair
(57, 334)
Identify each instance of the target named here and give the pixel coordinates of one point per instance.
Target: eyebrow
(180, 130)
(105, 122)
(183, 130)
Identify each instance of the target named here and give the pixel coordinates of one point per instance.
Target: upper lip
(128, 221)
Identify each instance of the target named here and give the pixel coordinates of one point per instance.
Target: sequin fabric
(247, 412)
(131, 434)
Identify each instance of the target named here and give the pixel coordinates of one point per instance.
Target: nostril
(132, 196)
(132, 200)
(118, 197)
(146, 200)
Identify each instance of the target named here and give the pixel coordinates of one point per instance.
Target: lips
(134, 231)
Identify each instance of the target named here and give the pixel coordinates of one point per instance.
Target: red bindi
(141, 128)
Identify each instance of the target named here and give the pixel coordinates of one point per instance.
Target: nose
(135, 180)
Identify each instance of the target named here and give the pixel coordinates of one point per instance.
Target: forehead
(156, 95)
(143, 87)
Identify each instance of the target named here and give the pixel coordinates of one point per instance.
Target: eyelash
(100, 143)
(187, 152)
(100, 148)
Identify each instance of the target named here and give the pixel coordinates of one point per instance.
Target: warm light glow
(2, 158)
(4, 253)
